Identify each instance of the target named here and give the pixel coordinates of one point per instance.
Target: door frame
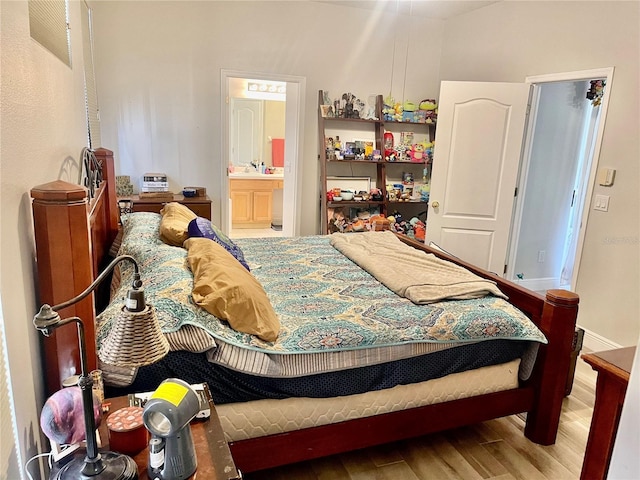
(294, 134)
(607, 73)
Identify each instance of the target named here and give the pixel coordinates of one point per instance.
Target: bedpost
(65, 269)
(105, 158)
(558, 322)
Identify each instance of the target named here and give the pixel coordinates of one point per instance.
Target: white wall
(43, 132)
(158, 69)
(510, 40)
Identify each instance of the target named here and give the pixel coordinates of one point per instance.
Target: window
(49, 26)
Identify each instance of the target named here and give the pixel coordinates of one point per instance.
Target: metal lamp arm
(114, 466)
(137, 283)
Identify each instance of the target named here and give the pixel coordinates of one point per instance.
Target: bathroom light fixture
(267, 87)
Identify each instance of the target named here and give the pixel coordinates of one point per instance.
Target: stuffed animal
(379, 223)
(428, 104)
(409, 106)
(419, 231)
(417, 152)
(399, 109)
(358, 226)
(387, 109)
(409, 112)
(429, 110)
(428, 150)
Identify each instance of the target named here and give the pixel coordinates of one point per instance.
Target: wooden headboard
(73, 235)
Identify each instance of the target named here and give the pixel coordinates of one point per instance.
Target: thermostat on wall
(606, 176)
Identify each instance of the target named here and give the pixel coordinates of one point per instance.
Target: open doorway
(261, 159)
(557, 178)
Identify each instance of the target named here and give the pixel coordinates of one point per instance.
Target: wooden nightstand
(214, 458)
(201, 206)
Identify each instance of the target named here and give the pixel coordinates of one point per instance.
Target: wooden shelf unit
(380, 172)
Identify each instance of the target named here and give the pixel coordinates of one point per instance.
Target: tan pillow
(224, 288)
(175, 223)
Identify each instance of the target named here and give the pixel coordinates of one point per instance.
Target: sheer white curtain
(8, 446)
(90, 86)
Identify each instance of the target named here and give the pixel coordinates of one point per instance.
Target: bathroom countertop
(257, 176)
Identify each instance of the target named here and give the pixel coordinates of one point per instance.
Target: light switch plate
(601, 203)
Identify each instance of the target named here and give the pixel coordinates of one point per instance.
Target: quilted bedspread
(324, 301)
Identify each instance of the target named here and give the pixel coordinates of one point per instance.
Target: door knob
(435, 204)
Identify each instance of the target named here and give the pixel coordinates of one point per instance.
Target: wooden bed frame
(74, 234)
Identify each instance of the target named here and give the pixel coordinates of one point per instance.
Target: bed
(298, 414)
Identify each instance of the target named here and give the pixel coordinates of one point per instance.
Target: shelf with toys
(375, 163)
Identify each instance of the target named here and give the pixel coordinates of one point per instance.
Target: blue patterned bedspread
(325, 302)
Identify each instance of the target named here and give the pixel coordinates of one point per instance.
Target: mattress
(230, 386)
(241, 421)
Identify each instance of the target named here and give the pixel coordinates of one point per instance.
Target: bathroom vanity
(252, 198)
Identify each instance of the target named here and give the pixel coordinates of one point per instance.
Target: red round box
(127, 433)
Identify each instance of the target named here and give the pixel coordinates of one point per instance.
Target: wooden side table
(214, 457)
(613, 367)
(201, 206)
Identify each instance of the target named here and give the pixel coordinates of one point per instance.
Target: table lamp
(143, 343)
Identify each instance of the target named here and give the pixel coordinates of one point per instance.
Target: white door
(478, 147)
(246, 131)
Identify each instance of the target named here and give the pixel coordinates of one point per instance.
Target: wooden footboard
(541, 397)
(73, 235)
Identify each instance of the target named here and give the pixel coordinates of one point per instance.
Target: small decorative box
(127, 433)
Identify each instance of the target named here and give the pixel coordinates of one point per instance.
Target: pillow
(227, 290)
(201, 227)
(175, 223)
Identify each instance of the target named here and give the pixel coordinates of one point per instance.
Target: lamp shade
(135, 340)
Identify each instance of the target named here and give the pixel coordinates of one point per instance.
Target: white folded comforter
(416, 275)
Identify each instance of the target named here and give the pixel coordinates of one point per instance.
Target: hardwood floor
(496, 450)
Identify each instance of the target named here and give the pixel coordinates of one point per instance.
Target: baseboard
(593, 342)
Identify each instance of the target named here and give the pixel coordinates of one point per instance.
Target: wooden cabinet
(385, 174)
(613, 367)
(201, 206)
(252, 202)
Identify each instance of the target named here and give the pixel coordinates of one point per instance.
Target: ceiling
(441, 9)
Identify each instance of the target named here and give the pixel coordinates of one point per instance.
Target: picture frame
(326, 110)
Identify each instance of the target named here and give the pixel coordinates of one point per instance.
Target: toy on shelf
(417, 153)
(428, 111)
(409, 112)
(387, 109)
(425, 111)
